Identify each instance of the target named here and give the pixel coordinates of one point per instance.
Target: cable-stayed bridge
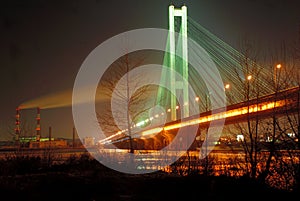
(286, 102)
(246, 90)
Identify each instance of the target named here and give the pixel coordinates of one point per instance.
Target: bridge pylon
(178, 87)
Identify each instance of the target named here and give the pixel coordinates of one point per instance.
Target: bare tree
(131, 101)
(266, 140)
(287, 123)
(250, 85)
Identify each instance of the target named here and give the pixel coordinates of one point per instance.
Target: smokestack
(17, 128)
(38, 125)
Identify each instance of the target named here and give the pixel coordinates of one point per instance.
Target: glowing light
(140, 123)
(249, 77)
(197, 99)
(229, 113)
(205, 119)
(227, 86)
(152, 131)
(240, 138)
(278, 66)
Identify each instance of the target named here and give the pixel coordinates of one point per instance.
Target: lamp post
(226, 88)
(249, 78)
(277, 67)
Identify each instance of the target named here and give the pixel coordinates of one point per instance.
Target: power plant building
(36, 141)
(48, 144)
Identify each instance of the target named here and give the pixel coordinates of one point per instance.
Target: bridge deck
(279, 103)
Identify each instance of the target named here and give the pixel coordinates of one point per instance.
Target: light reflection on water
(157, 160)
(229, 163)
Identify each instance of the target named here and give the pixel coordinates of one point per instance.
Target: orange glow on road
(213, 117)
(152, 131)
(229, 113)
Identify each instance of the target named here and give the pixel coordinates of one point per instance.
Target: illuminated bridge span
(280, 103)
(242, 79)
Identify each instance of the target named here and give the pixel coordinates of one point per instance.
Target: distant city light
(240, 138)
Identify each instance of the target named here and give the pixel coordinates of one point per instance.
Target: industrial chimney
(38, 125)
(17, 128)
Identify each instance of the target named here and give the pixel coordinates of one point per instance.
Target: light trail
(230, 113)
(260, 107)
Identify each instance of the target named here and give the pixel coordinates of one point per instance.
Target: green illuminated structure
(228, 61)
(178, 86)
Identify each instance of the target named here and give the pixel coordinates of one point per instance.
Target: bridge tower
(178, 87)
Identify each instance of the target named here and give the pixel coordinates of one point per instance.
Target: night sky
(43, 43)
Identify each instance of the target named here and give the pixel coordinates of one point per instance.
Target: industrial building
(37, 141)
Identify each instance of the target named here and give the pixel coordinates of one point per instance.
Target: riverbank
(87, 180)
(114, 186)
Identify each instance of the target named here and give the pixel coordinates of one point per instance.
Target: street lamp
(277, 67)
(247, 83)
(249, 77)
(227, 86)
